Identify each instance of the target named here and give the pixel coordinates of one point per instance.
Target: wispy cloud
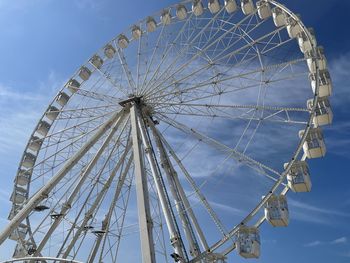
(312, 208)
(340, 76)
(20, 110)
(19, 4)
(339, 142)
(314, 214)
(269, 241)
(313, 244)
(341, 240)
(4, 196)
(338, 241)
(88, 4)
(347, 254)
(10, 94)
(226, 208)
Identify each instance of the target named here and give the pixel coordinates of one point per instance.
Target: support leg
(182, 204)
(166, 207)
(145, 220)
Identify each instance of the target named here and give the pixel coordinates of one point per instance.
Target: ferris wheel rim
(301, 142)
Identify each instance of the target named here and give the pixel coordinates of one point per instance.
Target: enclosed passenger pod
(28, 160)
(73, 85)
(122, 41)
(19, 195)
(24, 250)
(197, 7)
(279, 17)
(314, 146)
(304, 43)
(23, 177)
(231, 6)
(181, 12)
(109, 51)
(276, 211)
(165, 18)
(136, 32)
(312, 36)
(293, 27)
(20, 251)
(320, 57)
(43, 128)
(247, 7)
(62, 99)
(323, 112)
(19, 233)
(214, 6)
(264, 9)
(325, 83)
(298, 177)
(14, 210)
(96, 61)
(248, 242)
(84, 73)
(151, 24)
(35, 143)
(52, 113)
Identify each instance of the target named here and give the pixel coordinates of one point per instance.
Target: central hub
(131, 100)
(146, 110)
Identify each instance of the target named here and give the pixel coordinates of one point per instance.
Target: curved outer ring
(283, 175)
(42, 258)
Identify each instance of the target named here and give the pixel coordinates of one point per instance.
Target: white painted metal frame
(156, 100)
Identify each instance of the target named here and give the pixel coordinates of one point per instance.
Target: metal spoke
(106, 224)
(107, 77)
(255, 107)
(89, 214)
(238, 156)
(126, 69)
(44, 191)
(211, 43)
(97, 96)
(213, 79)
(195, 188)
(83, 177)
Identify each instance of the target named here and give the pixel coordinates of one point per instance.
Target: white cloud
(4, 196)
(316, 243)
(88, 4)
(313, 244)
(340, 76)
(20, 110)
(314, 214)
(19, 4)
(316, 209)
(226, 208)
(341, 240)
(338, 142)
(9, 94)
(269, 241)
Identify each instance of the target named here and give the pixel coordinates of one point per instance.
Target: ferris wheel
(176, 140)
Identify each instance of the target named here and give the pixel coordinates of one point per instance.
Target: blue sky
(42, 42)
